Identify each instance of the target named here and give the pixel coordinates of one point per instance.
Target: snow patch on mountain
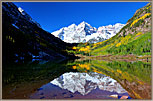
(28, 17)
(21, 11)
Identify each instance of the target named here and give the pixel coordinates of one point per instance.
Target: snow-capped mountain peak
(84, 24)
(72, 26)
(84, 32)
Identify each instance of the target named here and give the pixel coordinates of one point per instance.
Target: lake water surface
(79, 79)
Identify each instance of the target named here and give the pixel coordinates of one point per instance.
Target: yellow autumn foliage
(95, 44)
(86, 66)
(116, 41)
(109, 45)
(140, 82)
(74, 67)
(148, 7)
(10, 38)
(98, 43)
(95, 70)
(74, 48)
(124, 40)
(137, 95)
(87, 48)
(119, 71)
(82, 49)
(117, 45)
(143, 17)
(125, 75)
(138, 33)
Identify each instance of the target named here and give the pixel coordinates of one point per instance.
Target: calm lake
(76, 79)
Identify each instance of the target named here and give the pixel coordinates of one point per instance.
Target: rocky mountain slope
(140, 22)
(24, 39)
(84, 32)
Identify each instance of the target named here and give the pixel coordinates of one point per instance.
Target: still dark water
(79, 79)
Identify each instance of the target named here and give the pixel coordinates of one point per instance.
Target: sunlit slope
(133, 38)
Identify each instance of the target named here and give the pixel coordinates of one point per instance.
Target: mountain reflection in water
(77, 79)
(80, 85)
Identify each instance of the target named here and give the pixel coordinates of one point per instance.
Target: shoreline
(127, 58)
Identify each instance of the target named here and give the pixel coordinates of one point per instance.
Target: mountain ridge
(84, 32)
(24, 39)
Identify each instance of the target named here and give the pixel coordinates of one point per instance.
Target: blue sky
(55, 15)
